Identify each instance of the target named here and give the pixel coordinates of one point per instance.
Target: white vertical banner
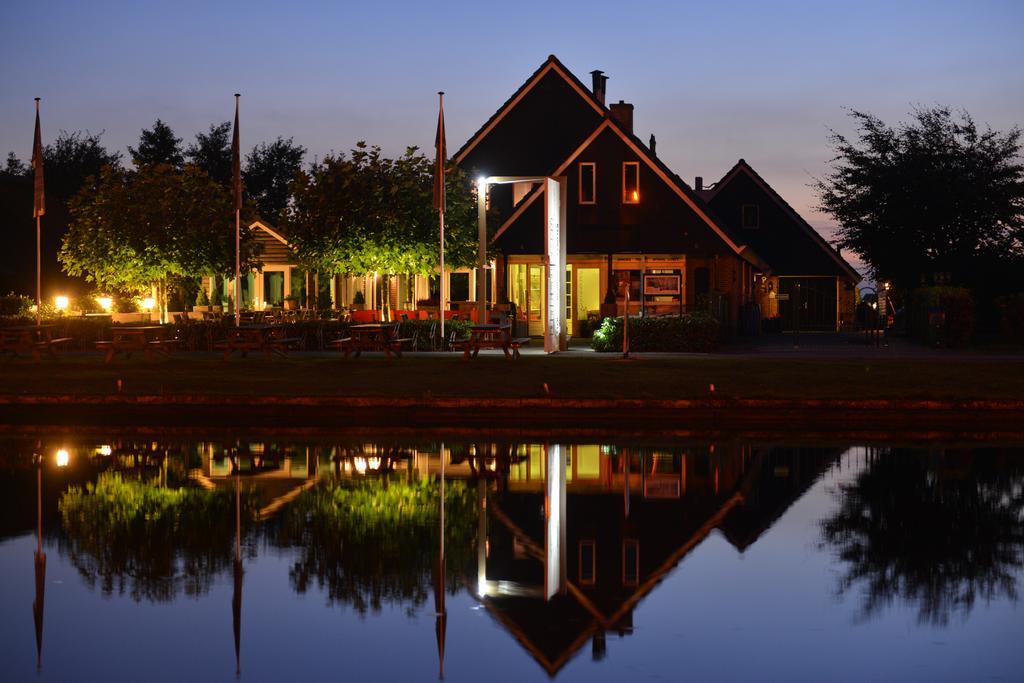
(554, 266)
(554, 534)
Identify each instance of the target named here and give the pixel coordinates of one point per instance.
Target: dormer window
(588, 183)
(631, 182)
(750, 216)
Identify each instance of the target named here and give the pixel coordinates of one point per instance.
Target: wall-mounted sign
(661, 285)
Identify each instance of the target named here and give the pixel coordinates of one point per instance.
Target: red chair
(423, 315)
(361, 317)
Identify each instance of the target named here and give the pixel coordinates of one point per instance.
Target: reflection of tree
(372, 541)
(148, 541)
(937, 534)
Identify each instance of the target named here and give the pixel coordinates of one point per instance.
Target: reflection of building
(627, 527)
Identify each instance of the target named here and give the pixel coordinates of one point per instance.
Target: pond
(143, 556)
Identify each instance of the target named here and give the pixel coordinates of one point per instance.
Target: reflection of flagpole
(236, 597)
(40, 567)
(441, 613)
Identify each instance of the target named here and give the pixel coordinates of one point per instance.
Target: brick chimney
(623, 113)
(653, 144)
(698, 183)
(599, 83)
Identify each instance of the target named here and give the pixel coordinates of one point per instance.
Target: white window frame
(627, 199)
(593, 182)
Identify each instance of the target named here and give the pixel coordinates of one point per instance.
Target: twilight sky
(714, 81)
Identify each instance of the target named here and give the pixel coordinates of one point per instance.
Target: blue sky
(714, 81)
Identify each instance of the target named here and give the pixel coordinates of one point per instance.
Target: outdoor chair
(457, 343)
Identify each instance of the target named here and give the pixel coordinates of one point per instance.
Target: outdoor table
(372, 337)
(257, 337)
(128, 339)
(488, 336)
(32, 339)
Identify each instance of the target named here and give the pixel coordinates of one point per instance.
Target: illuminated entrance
(543, 285)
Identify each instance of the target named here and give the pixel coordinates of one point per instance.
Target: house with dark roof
(803, 266)
(637, 235)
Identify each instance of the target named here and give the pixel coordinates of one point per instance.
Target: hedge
(941, 316)
(699, 332)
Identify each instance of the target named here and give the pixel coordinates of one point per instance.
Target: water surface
(140, 557)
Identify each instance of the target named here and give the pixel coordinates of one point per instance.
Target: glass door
(535, 299)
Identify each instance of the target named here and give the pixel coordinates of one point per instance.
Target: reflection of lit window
(588, 183)
(588, 562)
(631, 182)
(360, 464)
(62, 458)
(630, 562)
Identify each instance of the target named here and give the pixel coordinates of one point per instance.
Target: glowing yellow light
(104, 450)
(148, 303)
(374, 463)
(61, 302)
(105, 302)
(636, 196)
(360, 464)
(62, 458)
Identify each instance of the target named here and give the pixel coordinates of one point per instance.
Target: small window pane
(751, 216)
(588, 193)
(631, 182)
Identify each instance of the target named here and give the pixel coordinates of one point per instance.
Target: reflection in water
(558, 543)
(937, 533)
(140, 538)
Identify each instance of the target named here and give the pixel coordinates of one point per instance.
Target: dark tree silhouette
(936, 195)
(938, 533)
(211, 152)
(269, 169)
(157, 145)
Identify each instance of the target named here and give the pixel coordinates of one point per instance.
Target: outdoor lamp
(148, 303)
(63, 458)
(61, 302)
(104, 450)
(105, 302)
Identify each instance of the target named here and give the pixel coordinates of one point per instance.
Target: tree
(936, 195)
(158, 145)
(364, 213)
(269, 169)
(212, 152)
(15, 166)
(131, 230)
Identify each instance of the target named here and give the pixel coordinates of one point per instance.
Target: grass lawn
(493, 377)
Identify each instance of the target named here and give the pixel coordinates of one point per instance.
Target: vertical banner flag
(39, 204)
(439, 198)
(236, 163)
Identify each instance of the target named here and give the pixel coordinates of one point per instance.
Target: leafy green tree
(211, 152)
(936, 195)
(269, 169)
(365, 213)
(157, 145)
(133, 229)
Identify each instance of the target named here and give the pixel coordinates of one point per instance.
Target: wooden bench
(514, 344)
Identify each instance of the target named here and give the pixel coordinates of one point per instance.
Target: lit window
(588, 562)
(588, 183)
(631, 182)
(751, 216)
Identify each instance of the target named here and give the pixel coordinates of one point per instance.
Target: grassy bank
(416, 377)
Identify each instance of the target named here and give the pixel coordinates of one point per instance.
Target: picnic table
(491, 336)
(372, 337)
(267, 338)
(129, 339)
(33, 339)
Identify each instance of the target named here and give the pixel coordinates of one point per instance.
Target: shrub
(16, 305)
(941, 316)
(202, 298)
(691, 332)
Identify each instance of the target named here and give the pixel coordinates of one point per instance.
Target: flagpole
(39, 241)
(440, 96)
(238, 219)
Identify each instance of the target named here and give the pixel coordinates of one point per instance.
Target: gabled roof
(270, 231)
(551, 64)
(742, 167)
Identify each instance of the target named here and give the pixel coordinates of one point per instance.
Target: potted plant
(358, 302)
(202, 301)
(291, 303)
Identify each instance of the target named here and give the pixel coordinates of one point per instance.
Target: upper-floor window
(588, 183)
(750, 216)
(631, 182)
